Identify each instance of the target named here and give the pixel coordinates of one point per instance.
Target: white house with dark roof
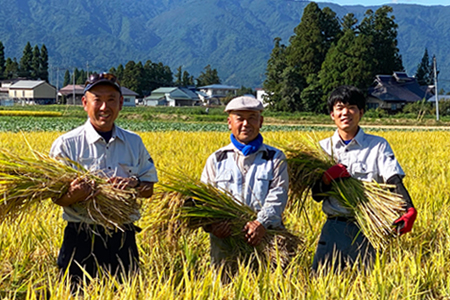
(216, 92)
(33, 92)
(129, 97)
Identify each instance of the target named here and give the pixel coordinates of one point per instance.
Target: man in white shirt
(253, 172)
(365, 157)
(101, 146)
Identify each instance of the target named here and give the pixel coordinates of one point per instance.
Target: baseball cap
(102, 78)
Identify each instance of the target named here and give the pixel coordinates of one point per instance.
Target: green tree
(67, 78)
(382, 29)
(130, 79)
(11, 68)
(347, 63)
(43, 67)
(119, 73)
(179, 76)
(349, 22)
(301, 61)
(183, 78)
(113, 71)
(25, 65)
(188, 79)
(2, 61)
(81, 77)
(139, 73)
(424, 74)
(276, 66)
(208, 76)
(35, 63)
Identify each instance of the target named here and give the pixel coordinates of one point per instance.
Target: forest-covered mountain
(233, 36)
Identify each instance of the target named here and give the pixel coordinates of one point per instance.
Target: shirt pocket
(126, 170)
(362, 171)
(260, 189)
(224, 180)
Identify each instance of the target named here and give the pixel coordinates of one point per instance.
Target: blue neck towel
(249, 148)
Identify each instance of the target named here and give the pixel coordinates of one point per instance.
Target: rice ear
(26, 181)
(204, 204)
(372, 204)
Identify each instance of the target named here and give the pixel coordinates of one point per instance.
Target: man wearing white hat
(253, 172)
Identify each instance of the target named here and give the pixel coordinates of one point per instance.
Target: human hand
(335, 172)
(221, 229)
(405, 223)
(79, 190)
(123, 183)
(254, 232)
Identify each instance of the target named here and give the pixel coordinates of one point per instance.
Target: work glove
(335, 172)
(405, 223)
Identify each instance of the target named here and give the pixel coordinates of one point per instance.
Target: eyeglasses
(102, 77)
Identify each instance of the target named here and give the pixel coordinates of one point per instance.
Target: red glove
(405, 222)
(335, 172)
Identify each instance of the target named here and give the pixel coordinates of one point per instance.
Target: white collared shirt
(124, 156)
(260, 180)
(367, 157)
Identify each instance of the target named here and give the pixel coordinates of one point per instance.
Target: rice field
(412, 267)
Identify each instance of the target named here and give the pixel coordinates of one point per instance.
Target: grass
(414, 266)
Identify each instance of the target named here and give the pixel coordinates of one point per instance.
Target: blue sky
(381, 2)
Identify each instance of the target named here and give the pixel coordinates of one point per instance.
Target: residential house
(172, 96)
(392, 92)
(129, 97)
(72, 93)
(4, 86)
(69, 91)
(33, 92)
(216, 92)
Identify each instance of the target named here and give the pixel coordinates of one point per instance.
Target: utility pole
(57, 83)
(436, 93)
(73, 91)
(87, 71)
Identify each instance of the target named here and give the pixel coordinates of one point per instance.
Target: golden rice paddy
(414, 266)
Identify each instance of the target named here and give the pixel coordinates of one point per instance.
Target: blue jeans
(341, 244)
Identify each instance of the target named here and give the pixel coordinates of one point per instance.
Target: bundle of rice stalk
(26, 181)
(203, 204)
(373, 205)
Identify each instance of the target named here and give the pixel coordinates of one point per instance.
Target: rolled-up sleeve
(388, 165)
(271, 213)
(147, 170)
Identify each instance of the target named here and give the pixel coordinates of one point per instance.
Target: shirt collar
(93, 136)
(358, 139)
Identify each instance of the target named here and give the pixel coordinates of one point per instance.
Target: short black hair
(347, 94)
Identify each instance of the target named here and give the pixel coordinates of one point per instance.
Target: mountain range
(233, 36)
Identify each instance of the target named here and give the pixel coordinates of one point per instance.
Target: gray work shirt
(260, 180)
(367, 157)
(124, 156)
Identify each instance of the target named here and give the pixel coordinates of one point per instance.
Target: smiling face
(102, 104)
(245, 124)
(346, 117)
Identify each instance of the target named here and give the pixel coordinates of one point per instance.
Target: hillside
(234, 36)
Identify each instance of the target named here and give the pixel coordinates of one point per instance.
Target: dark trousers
(342, 244)
(86, 248)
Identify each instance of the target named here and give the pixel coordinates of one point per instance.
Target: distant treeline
(32, 65)
(326, 52)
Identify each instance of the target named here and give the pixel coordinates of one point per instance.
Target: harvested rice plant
(414, 266)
